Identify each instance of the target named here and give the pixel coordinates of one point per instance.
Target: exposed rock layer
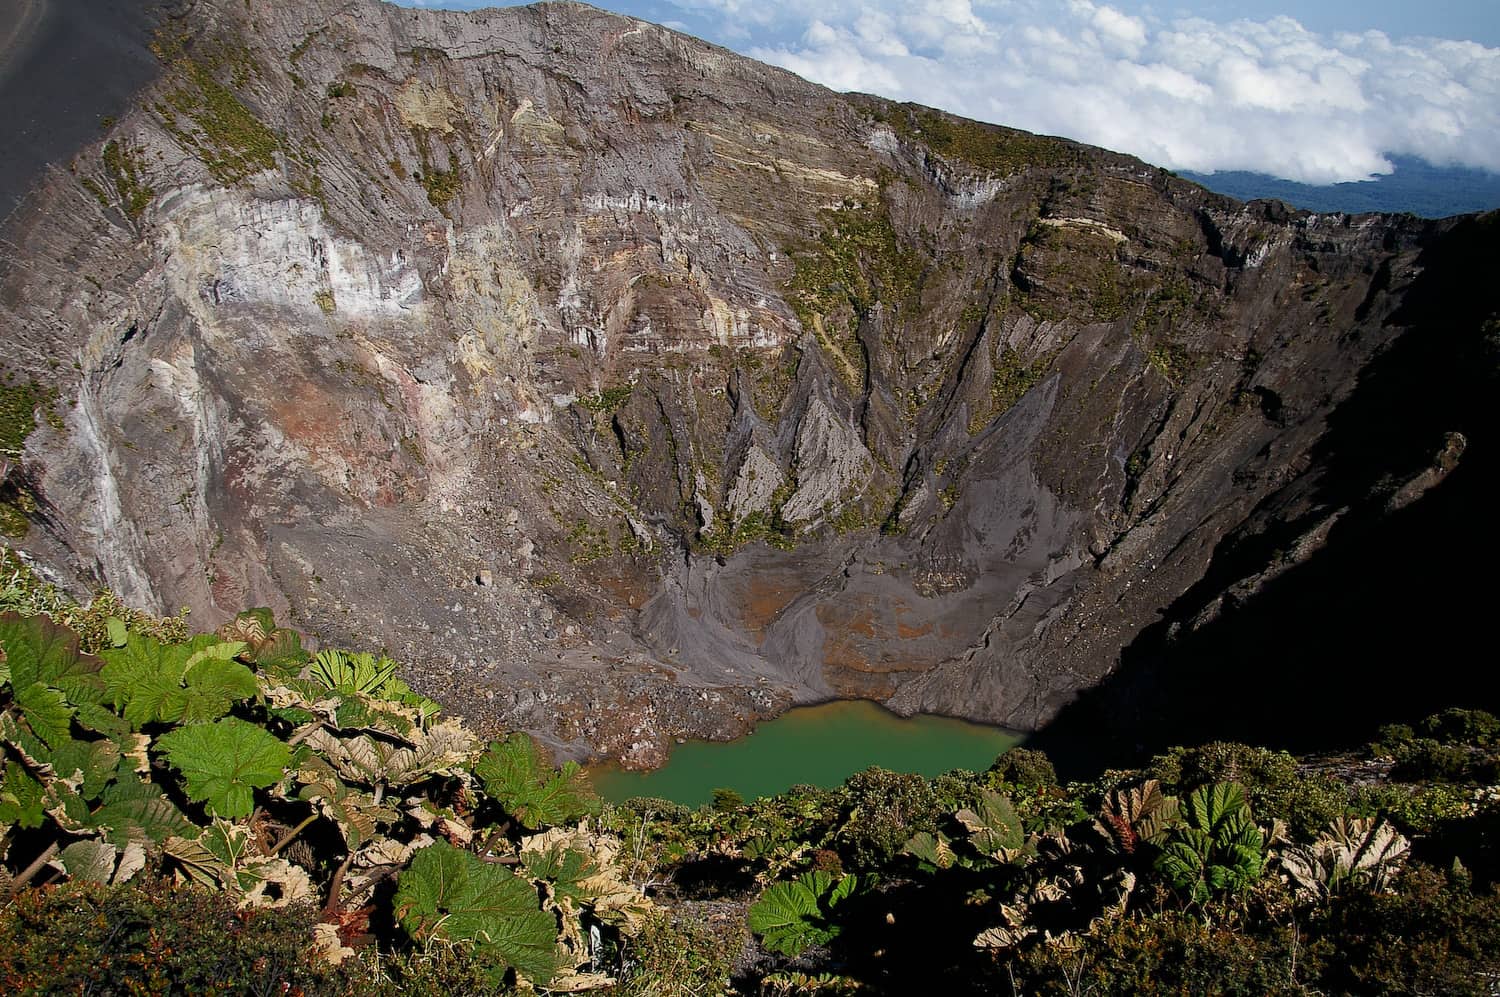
(368, 304)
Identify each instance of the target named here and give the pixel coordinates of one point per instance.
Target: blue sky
(1311, 91)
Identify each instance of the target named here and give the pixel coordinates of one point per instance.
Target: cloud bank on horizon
(1187, 93)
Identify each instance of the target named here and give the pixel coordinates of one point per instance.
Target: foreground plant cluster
(232, 812)
(241, 764)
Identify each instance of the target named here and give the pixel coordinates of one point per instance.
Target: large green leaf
(87, 765)
(515, 773)
(365, 675)
(225, 761)
(141, 676)
(360, 711)
(934, 850)
(1210, 808)
(48, 676)
(579, 870)
(227, 842)
(281, 654)
(145, 817)
(451, 894)
(65, 806)
(46, 711)
(262, 615)
(38, 650)
(98, 717)
(571, 872)
(212, 685)
(1217, 847)
(272, 650)
(389, 761)
(198, 864)
(155, 682)
(792, 916)
(397, 691)
(994, 828)
(21, 741)
(843, 889)
(343, 671)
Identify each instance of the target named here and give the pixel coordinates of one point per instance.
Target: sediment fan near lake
(630, 389)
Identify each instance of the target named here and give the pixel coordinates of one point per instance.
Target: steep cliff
(630, 389)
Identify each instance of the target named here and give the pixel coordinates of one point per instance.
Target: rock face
(735, 392)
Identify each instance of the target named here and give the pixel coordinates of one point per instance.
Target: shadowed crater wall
(1355, 595)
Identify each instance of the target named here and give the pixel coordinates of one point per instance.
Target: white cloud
(1189, 93)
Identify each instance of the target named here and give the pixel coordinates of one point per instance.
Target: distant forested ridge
(1416, 186)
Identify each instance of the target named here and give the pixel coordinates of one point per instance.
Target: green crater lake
(821, 745)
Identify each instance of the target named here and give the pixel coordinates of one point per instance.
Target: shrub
(1184, 769)
(1025, 767)
(1473, 728)
(1171, 953)
(1391, 739)
(1427, 759)
(1273, 786)
(430, 971)
(1452, 746)
(1413, 809)
(1430, 936)
(679, 959)
(956, 790)
(726, 800)
(153, 938)
(658, 808)
(887, 808)
(22, 591)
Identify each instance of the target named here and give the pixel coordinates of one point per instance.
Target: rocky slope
(630, 389)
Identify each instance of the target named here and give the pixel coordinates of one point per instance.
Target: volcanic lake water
(821, 745)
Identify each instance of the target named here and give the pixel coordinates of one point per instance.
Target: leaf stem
(333, 906)
(25, 875)
(286, 839)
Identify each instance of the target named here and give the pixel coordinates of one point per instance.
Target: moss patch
(607, 400)
(1166, 312)
(18, 409)
(763, 526)
(869, 512)
(442, 186)
(123, 167)
(208, 119)
(1072, 272)
(15, 519)
(589, 543)
(1013, 377)
(1003, 151)
(856, 263)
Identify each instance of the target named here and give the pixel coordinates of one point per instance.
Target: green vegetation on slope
(231, 808)
(209, 118)
(238, 763)
(857, 263)
(19, 404)
(123, 167)
(993, 148)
